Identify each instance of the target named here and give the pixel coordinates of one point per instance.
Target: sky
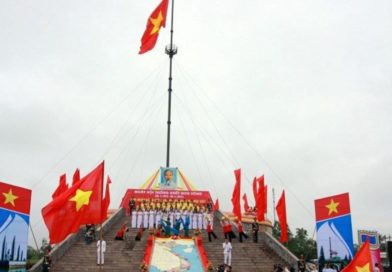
(299, 91)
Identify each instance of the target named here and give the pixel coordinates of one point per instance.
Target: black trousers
(211, 234)
(255, 234)
(242, 234)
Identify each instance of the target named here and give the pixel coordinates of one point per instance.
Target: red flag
(76, 176)
(362, 261)
(216, 205)
(265, 199)
(332, 206)
(15, 198)
(281, 211)
(156, 20)
(255, 189)
(236, 197)
(80, 204)
(260, 199)
(246, 205)
(106, 200)
(61, 188)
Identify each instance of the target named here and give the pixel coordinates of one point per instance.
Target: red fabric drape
(281, 211)
(236, 197)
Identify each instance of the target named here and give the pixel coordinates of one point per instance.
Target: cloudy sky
(297, 90)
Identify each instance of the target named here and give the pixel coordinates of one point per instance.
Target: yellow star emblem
(365, 268)
(81, 198)
(156, 22)
(10, 198)
(332, 207)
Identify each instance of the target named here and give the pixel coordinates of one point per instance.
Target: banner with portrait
(168, 179)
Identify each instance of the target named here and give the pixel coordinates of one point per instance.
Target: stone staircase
(246, 256)
(120, 256)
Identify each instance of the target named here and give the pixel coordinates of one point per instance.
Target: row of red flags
(260, 195)
(81, 203)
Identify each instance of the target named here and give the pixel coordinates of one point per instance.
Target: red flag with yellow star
(362, 261)
(15, 198)
(156, 20)
(80, 204)
(332, 206)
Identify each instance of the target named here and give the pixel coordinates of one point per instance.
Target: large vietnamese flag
(362, 261)
(156, 20)
(260, 199)
(80, 204)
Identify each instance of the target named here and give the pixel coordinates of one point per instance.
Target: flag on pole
(265, 199)
(80, 204)
(260, 199)
(216, 205)
(362, 261)
(106, 200)
(281, 211)
(62, 187)
(156, 20)
(236, 197)
(246, 205)
(255, 189)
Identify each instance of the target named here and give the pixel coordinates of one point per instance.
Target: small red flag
(362, 261)
(236, 197)
(156, 20)
(260, 199)
(106, 200)
(15, 198)
(216, 205)
(265, 199)
(76, 176)
(255, 190)
(246, 205)
(281, 211)
(61, 188)
(80, 204)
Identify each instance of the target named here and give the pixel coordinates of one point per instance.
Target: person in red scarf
(241, 232)
(210, 231)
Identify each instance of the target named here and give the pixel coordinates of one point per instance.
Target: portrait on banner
(168, 178)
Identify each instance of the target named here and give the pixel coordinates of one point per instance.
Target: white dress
(194, 221)
(139, 221)
(158, 218)
(200, 221)
(171, 216)
(133, 220)
(145, 219)
(205, 220)
(151, 219)
(190, 220)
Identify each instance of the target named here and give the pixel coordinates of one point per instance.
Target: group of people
(149, 214)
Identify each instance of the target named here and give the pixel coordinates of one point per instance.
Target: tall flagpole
(170, 50)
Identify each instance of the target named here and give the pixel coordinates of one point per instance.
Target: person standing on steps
(227, 252)
(241, 232)
(101, 249)
(255, 230)
(210, 231)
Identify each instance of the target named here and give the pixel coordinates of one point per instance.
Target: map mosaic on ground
(175, 256)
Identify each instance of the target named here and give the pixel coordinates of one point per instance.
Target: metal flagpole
(170, 50)
(100, 226)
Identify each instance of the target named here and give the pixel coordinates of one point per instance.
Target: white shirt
(227, 247)
(103, 245)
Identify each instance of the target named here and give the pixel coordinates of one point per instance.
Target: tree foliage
(299, 243)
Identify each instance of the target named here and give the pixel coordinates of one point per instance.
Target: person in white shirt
(227, 252)
(133, 219)
(139, 221)
(145, 219)
(151, 219)
(158, 218)
(194, 220)
(101, 248)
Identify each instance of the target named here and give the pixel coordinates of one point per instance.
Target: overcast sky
(297, 90)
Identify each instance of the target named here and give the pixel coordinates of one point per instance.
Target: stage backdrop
(374, 241)
(334, 229)
(14, 224)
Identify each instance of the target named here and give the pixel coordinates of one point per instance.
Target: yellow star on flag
(332, 207)
(81, 198)
(365, 268)
(10, 198)
(156, 23)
